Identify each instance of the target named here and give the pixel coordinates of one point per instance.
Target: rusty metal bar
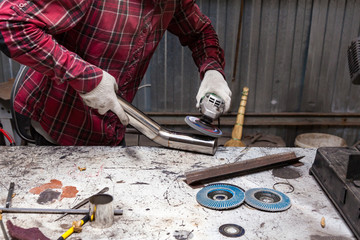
(223, 171)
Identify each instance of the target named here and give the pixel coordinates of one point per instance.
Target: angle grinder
(211, 107)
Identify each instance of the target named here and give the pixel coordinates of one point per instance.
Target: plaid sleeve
(194, 29)
(26, 29)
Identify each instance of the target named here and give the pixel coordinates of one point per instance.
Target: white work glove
(103, 98)
(214, 82)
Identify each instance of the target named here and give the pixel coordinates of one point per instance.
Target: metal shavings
(284, 183)
(140, 183)
(242, 153)
(183, 235)
(4, 186)
(82, 169)
(322, 222)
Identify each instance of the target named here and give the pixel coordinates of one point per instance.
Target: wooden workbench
(147, 183)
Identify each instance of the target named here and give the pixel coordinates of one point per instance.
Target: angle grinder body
(211, 108)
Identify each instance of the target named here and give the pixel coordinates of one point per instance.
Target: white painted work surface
(147, 183)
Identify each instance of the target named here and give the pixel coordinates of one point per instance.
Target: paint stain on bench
(48, 195)
(68, 192)
(53, 184)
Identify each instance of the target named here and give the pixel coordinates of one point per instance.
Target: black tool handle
(10, 193)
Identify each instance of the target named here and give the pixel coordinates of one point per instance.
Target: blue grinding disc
(267, 199)
(220, 196)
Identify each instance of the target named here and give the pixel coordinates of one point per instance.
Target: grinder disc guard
(203, 127)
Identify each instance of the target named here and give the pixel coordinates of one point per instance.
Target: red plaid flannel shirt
(66, 43)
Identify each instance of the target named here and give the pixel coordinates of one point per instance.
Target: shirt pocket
(25, 8)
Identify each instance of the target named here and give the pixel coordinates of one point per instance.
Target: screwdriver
(75, 228)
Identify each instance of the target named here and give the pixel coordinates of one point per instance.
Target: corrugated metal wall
(292, 56)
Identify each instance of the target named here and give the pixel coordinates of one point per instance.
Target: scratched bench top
(147, 183)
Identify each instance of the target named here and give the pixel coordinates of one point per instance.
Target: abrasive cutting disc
(231, 230)
(220, 196)
(267, 199)
(203, 127)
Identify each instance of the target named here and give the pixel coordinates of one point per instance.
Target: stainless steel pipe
(166, 138)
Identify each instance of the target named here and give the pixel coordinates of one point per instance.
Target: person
(83, 53)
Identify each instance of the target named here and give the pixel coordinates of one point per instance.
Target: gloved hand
(214, 82)
(103, 98)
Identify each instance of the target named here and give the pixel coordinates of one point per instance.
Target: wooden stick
(236, 134)
(241, 112)
(239, 168)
